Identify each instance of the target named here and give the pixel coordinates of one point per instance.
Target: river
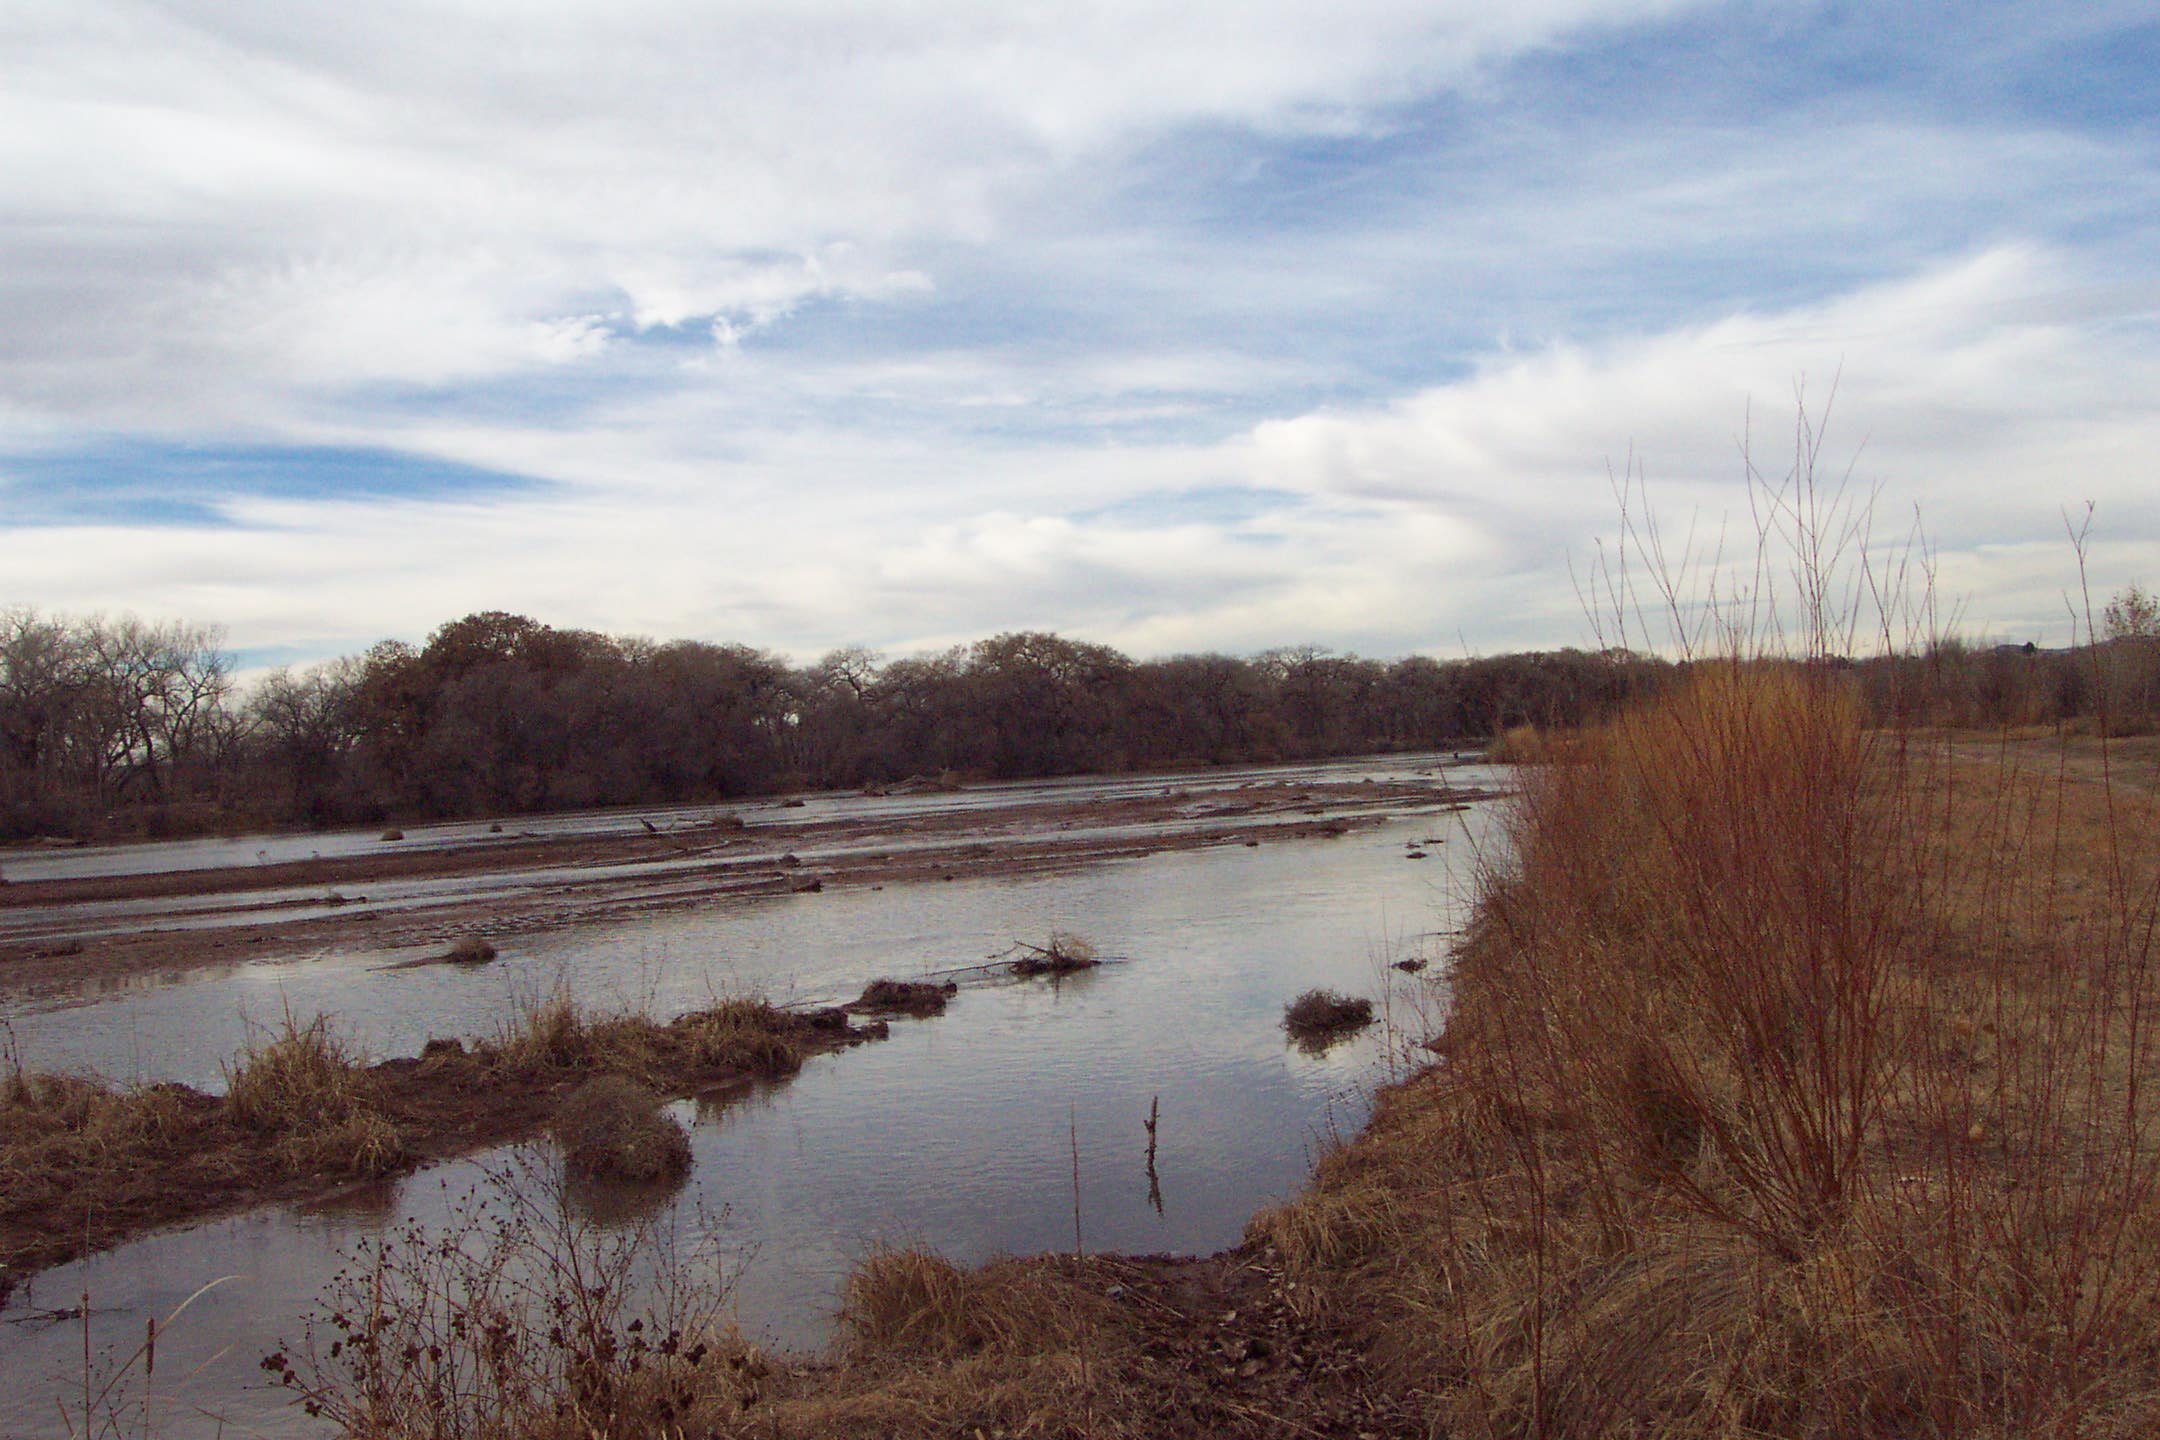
(959, 1132)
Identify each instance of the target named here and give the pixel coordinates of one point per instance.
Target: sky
(1216, 326)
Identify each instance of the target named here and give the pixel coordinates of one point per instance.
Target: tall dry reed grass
(1797, 1081)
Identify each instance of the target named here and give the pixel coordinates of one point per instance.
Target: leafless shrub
(524, 1323)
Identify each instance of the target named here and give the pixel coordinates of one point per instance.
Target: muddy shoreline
(90, 1167)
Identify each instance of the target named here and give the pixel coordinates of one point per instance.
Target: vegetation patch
(470, 950)
(913, 1302)
(523, 1323)
(1062, 954)
(1791, 1064)
(84, 1164)
(613, 1128)
(1326, 1014)
(905, 997)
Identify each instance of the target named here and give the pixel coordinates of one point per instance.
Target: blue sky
(818, 323)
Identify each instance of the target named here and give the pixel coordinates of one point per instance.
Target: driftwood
(1063, 955)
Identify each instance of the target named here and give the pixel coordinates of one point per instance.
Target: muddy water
(957, 1132)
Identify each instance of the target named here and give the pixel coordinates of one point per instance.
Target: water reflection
(619, 1203)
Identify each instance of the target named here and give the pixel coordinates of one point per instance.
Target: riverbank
(1797, 1083)
(87, 1165)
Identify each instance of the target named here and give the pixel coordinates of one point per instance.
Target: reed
(1797, 1076)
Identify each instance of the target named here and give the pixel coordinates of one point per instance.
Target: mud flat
(60, 930)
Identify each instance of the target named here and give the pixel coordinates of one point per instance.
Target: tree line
(2111, 684)
(122, 726)
(129, 727)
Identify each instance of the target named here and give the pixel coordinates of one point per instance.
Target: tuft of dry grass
(556, 1033)
(1326, 1012)
(315, 1101)
(905, 997)
(1032, 1346)
(303, 1079)
(1518, 745)
(611, 1127)
(550, 1033)
(914, 1302)
(470, 950)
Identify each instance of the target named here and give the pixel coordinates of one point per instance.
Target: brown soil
(83, 1168)
(706, 864)
(1124, 1346)
(904, 997)
(1239, 1354)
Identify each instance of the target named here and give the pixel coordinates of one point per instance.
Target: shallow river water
(957, 1133)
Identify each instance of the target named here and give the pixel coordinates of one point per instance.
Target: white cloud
(1991, 394)
(277, 202)
(259, 220)
(1444, 519)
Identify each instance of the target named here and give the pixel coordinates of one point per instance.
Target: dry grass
(528, 1325)
(302, 1078)
(905, 997)
(1518, 745)
(557, 1033)
(1015, 1347)
(613, 1128)
(1325, 1012)
(470, 950)
(84, 1164)
(316, 1101)
(911, 1302)
(1795, 1085)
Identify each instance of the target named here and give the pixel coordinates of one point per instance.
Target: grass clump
(557, 1034)
(905, 997)
(1518, 745)
(1326, 1012)
(914, 1302)
(304, 1078)
(613, 1128)
(316, 1100)
(470, 950)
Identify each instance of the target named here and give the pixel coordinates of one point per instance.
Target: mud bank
(58, 933)
(86, 1166)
